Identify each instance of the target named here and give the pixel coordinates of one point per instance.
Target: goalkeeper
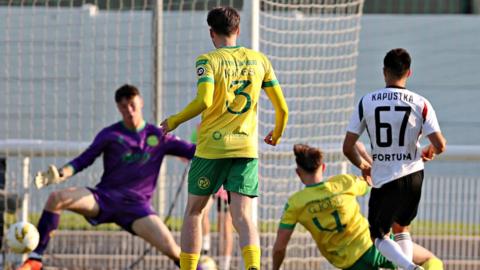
(330, 212)
(132, 151)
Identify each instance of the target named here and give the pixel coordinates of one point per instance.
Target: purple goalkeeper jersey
(131, 159)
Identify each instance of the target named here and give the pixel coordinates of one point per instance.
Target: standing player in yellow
(330, 212)
(230, 80)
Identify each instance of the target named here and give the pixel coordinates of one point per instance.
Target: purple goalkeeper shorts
(114, 209)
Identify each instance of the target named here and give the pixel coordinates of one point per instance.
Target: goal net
(63, 60)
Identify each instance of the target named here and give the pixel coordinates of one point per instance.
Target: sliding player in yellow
(330, 212)
(230, 80)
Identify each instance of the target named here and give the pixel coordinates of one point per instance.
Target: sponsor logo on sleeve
(200, 71)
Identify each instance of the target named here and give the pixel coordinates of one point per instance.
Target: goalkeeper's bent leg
(47, 224)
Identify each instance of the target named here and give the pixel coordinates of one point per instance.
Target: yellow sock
(433, 264)
(188, 261)
(251, 257)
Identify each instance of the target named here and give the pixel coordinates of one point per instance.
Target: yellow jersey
(229, 126)
(330, 212)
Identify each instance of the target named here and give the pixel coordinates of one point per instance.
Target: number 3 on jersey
(242, 85)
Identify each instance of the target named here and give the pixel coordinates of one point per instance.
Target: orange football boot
(31, 264)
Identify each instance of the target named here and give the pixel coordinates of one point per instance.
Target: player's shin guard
(46, 225)
(433, 264)
(251, 257)
(404, 240)
(188, 261)
(392, 251)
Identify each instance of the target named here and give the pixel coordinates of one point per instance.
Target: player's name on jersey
(239, 63)
(392, 96)
(233, 72)
(319, 206)
(392, 157)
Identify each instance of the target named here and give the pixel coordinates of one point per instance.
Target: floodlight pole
(157, 40)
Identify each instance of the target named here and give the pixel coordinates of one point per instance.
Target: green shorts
(239, 175)
(372, 259)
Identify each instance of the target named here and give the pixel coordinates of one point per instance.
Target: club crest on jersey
(200, 71)
(217, 135)
(203, 182)
(152, 140)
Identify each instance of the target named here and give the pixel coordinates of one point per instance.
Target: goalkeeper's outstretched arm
(53, 175)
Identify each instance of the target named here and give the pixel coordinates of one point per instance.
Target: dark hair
(397, 62)
(126, 91)
(308, 158)
(223, 20)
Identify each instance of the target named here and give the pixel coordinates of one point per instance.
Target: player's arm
(178, 147)
(360, 186)
(437, 146)
(274, 92)
(54, 175)
(275, 95)
(431, 128)
(351, 151)
(202, 101)
(285, 230)
(280, 246)
(362, 151)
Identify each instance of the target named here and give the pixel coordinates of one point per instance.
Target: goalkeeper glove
(51, 176)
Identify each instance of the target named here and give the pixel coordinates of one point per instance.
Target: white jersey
(395, 118)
